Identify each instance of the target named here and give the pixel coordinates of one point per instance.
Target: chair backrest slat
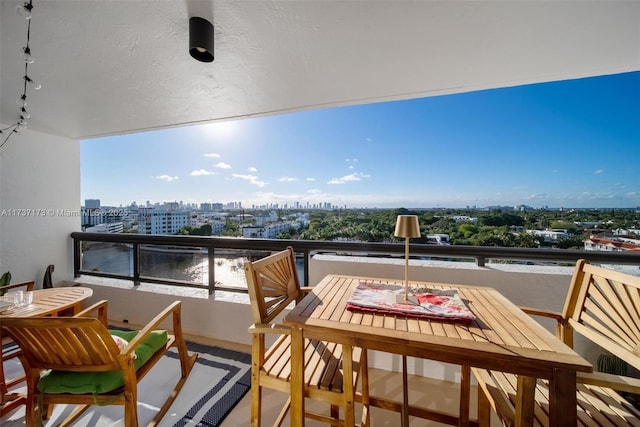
(605, 307)
(273, 284)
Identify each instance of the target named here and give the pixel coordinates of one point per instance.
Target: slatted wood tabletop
(502, 337)
(47, 302)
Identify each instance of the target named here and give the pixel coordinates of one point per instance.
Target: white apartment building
(270, 231)
(217, 227)
(551, 235)
(161, 220)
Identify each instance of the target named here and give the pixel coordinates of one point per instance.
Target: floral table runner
(443, 304)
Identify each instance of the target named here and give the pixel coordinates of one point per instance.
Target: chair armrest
(616, 382)
(173, 309)
(28, 285)
(544, 313)
(270, 329)
(100, 307)
(306, 289)
(561, 323)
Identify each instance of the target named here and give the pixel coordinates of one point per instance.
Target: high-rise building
(161, 220)
(92, 203)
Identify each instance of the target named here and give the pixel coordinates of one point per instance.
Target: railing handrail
(308, 247)
(312, 246)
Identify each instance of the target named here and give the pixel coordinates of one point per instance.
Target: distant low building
(551, 235)
(112, 227)
(270, 231)
(610, 244)
(438, 239)
(463, 218)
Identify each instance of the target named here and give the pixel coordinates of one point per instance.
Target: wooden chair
(10, 401)
(25, 286)
(603, 306)
(273, 285)
(86, 364)
(47, 280)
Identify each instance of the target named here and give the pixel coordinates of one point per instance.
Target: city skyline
(572, 144)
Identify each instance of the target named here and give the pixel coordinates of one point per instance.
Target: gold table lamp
(407, 226)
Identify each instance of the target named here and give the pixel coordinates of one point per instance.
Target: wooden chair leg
(335, 414)
(364, 368)
(130, 406)
(73, 416)
(33, 416)
(347, 384)
(256, 398)
(484, 409)
(47, 410)
(283, 413)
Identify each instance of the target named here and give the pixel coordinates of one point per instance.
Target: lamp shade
(201, 39)
(407, 226)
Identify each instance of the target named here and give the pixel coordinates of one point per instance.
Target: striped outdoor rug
(219, 379)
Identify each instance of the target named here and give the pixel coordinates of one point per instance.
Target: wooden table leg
(297, 377)
(405, 394)
(465, 396)
(524, 401)
(563, 410)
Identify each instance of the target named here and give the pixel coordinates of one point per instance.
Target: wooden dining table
(502, 337)
(46, 302)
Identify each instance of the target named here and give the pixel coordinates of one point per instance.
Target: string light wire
(21, 123)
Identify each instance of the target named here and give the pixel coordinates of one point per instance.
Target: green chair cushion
(54, 382)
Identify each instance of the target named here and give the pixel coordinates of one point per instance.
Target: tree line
(489, 228)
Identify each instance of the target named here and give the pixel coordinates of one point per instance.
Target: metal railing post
(77, 260)
(211, 265)
(136, 264)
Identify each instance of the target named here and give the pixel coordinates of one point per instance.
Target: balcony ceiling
(114, 67)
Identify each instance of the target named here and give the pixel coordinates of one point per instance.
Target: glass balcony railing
(216, 263)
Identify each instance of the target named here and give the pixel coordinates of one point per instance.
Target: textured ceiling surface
(112, 67)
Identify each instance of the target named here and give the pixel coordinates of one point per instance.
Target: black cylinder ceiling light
(201, 39)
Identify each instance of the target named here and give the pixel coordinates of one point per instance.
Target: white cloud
(310, 179)
(349, 178)
(252, 179)
(223, 165)
(538, 196)
(252, 169)
(598, 172)
(287, 179)
(202, 172)
(212, 155)
(314, 191)
(167, 178)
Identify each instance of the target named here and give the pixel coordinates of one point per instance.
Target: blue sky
(573, 143)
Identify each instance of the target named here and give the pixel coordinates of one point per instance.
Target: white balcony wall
(39, 204)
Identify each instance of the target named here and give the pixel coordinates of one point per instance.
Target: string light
(25, 11)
